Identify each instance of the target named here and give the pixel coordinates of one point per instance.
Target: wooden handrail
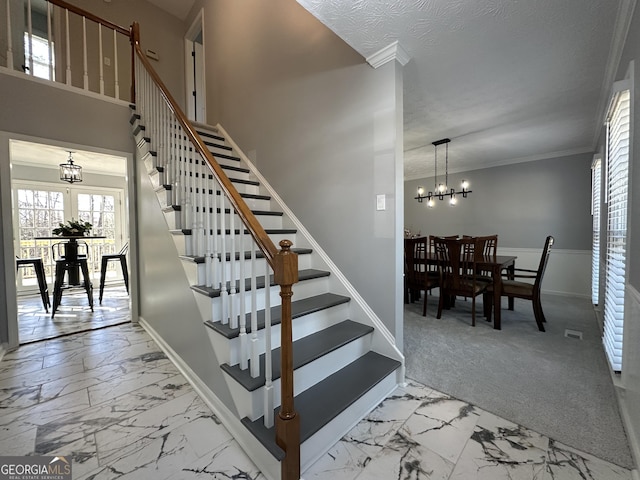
(256, 230)
(283, 262)
(90, 16)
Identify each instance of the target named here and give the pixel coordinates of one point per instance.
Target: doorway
(40, 201)
(195, 71)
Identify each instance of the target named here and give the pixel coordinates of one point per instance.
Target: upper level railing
(66, 44)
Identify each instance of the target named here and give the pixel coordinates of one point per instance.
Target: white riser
(228, 351)
(251, 404)
(316, 446)
(258, 204)
(175, 221)
(208, 306)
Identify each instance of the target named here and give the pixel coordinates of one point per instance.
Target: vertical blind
(596, 198)
(617, 194)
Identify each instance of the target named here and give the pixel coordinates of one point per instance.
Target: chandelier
(69, 172)
(440, 190)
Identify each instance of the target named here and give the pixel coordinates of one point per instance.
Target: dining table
(71, 251)
(496, 265)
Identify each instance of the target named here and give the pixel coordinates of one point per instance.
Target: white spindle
(233, 317)
(244, 344)
(224, 292)
(255, 351)
(52, 75)
(268, 370)
(115, 65)
(9, 39)
(68, 48)
(202, 237)
(84, 54)
(30, 38)
(100, 59)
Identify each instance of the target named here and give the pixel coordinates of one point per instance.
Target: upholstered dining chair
(419, 275)
(527, 290)
(457, 271)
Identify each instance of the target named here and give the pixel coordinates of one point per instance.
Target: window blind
(617, 194)
(596, 198)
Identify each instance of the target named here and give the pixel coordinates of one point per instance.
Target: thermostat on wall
(152, 54)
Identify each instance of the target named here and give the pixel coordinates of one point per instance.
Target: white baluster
(9, 39)
(29, 38)
(244, 351)
(68, 49)
(52, 75)
(84, 54)
(100, 57)
(115, 65)
(224, 293)
(233, 317)
(255, 350)
(268, 370)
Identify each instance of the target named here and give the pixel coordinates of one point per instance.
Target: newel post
(287, 421)
(134, 35)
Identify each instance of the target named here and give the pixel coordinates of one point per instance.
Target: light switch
(381, 200)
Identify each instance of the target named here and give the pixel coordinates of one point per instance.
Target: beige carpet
(558, 386)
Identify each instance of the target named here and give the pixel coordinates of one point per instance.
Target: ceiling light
(69, 172)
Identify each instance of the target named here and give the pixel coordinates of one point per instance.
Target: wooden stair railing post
(134, 36)
(287, 421)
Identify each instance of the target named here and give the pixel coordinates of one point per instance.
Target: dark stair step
(299, 308)
(210, 135)
(247, 255)
(305, 351)
(321, 403)
(303, 275)
(257, 213)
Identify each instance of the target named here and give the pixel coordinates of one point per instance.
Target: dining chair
(420, 276)
(38, 266)
(457, 270)
(121, 257)
(514, 288)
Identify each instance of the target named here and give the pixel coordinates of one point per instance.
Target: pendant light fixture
(441, 190)
(69, 172)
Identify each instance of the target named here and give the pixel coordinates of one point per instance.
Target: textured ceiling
(506, 80)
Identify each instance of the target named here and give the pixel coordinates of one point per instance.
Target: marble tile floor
(73, 315)
(112, 401)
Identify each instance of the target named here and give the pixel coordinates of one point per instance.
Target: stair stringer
(383, 341)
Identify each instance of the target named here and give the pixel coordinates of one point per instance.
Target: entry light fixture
(70, 172)
(440, 190)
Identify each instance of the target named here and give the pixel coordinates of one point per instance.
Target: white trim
(259, 455)
(3, 350)
(393, 51)
(62, 86)
(335, 271)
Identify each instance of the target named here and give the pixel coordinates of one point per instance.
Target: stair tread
(305, 351)
(307, 274)
(269, 231)
(299, 308)
(247, 255)
(321, 403)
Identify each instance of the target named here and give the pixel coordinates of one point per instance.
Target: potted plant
(73, 228)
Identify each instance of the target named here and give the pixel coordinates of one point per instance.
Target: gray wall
(320, 124)
(166, 301)
(522, 203)
(42, 111)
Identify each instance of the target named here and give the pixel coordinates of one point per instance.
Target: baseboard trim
(3, 350)
(265, 462)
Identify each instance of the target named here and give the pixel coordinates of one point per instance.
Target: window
(618, 124)
(39, 209)
(42, 56)
(596, 199)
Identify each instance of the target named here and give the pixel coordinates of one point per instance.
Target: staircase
(343, 366)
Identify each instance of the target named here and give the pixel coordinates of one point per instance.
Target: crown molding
(393, 51)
